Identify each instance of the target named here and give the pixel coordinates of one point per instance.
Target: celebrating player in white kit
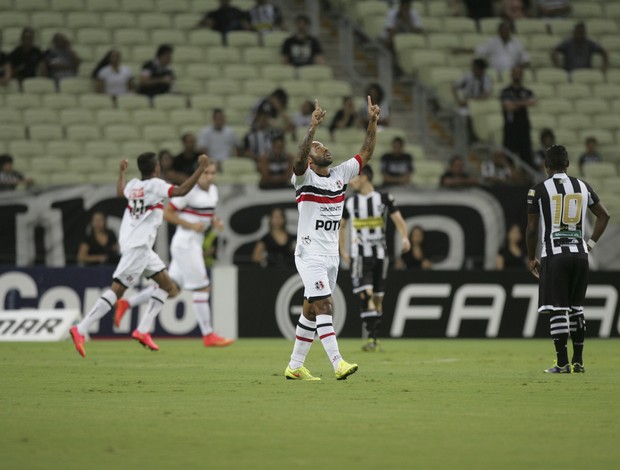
(142, 217)
(193, 214)
(320, 195)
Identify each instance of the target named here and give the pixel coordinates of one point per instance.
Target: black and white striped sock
(577, 323)
(558, 326)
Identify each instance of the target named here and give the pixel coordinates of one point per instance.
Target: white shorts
(136, 262)
(318, 273)
(187, 267)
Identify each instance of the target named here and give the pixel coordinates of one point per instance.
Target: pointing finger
(369, 101)
(316, 104)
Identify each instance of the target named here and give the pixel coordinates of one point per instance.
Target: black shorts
(563, 282)
(368, 273)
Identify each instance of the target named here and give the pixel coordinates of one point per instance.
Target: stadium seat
(417, 60)
(458, 25)
(223, 55)
(587, 76)
(241, 71)
(98, 5)
(600, 170)
(143, 117)
(369, 8)
(63, 178)
(168, 36)
(131, 36)
(83, 165)
(278, 72)
(133, 102)
(223, 86)
(32, 5)
(72, 116)
(539, 120)
(94, 36)
(79, 19)
(12, 131)
(606, 121)
(551, 76)
(443, 41)
(132, 149)
(243, 103)
(159, 132)
(49, 163)
(188, 54)
(38, 85)
(204, 37)
(106, 117)
(556, 105)
(172, 6)
(331, 88)
(102, 149)
(600, 26)
(202, 71)
(12, 18)
(95, 101)
(592, 106)
(76, 85)
(612, 10)
(122, 133)
(186, 21)
(260, 56)
(206, 102)
(12, 116)
(606, 91)
(46, 19)
(83, 132)
(138, 5)
(573, 90)
(313, 72)
(43, 115)
(167, 102)
(303, 89)
(59, 101)
(573, 122)
(155, 21)
(26, 149)
(242, 39)
(543, 90)
(488, 25)
(188, 117)
(274, 39)
(67, 5)
(408, 41)
(586, 10)
(172, 146)
(45, 132)
(65, 148)
(258, 87)
(540, 42)
(21, 101)
(527, 26)
(603, 136)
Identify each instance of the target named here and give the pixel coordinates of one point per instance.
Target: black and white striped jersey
(367, 228)
(562, 202)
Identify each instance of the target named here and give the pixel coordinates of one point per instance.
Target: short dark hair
(591, 139)
(556, 157)
(304, 18)
(280, 94)
(164, 49)
(147, 162)
(480, 63)
(185, 136)
(454, 158)
(368, 171)
(5, 158)
(217, 110)
(546, 132)
(398, 140)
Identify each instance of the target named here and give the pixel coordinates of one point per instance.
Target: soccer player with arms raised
(143, 215)
(320, 193)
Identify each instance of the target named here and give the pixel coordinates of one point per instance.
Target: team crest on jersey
(319, 285)
(339, 183)
(306, 240)
(137, 193)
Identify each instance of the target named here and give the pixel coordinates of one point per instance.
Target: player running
(193, 214)
(142, 217)
(369, 260)
(320, 198)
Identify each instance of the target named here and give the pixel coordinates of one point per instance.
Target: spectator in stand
(111, 77)
(6, 71)
(277, 248)
(218, 140)
(553, 8)
(345, 117)
(578, 51)
(512, 255)
(27, 59)
(185, 163)
(591, 155)
(377, 96)
(547, 139)
(397, 166)
(455, 176)
(301, 48)
(275, 106)
(225, 19)
(303, 117)
(516, 99)
(100, 245)
(477, 9)
(415, 258)
(156, 76)
(513, 10)
(9, 177)
(401, 19)
(60, 59)
(257, 142)
(265, 17)
(503, 52)
(474, 85)
(275, 167)
(498, 169)
(166, 159)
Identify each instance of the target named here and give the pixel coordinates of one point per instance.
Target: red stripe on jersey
(173, 206)
(328, 334)
(201, 214)
(155, 206)
(359, 160)
(301, 338)
(170, 189)
(320, 199)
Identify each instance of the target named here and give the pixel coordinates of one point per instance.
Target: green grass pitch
(419, 404)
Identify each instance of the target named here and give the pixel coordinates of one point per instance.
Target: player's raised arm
(120, 183)
(368, 147)
(171, 215)
(189, 183)
(303, 151)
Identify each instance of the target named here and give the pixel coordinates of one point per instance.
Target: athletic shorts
(369, 273)
(187, 267)
(563, 282)
(319, 274)
(136, 262)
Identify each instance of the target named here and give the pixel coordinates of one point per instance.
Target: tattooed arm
(303, 151)
(368, 147)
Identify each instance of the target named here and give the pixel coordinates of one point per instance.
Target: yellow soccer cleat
(345, 369)
(301, 373)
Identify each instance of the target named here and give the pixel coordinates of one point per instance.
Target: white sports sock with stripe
(202, 310)
(142, 296)
(327, 335)
(155, 305)
(104, 304)
(304, 336)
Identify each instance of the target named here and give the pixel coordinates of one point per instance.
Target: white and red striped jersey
(320, 200)
(196, 206)
(144, 213)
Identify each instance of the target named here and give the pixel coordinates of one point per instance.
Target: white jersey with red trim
(320, 200)
(144, 212)
(196, 206)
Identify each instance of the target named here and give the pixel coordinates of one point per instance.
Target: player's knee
(323, 307)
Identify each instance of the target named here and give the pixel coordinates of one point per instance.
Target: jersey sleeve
(352, 167)
(298, 180)
(533, 197)
(388, 200)
(161, 188)
(178, 203)
(127, 188)
(592, 196)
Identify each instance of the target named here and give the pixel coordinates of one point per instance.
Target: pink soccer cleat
(213, 340)
(121, 308)
(145, 340)
(78, 340)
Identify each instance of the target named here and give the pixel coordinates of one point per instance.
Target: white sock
(327, 335)
(142, 296)
(155, 305)
(203, 312)
(304, 335)
(104, 304)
